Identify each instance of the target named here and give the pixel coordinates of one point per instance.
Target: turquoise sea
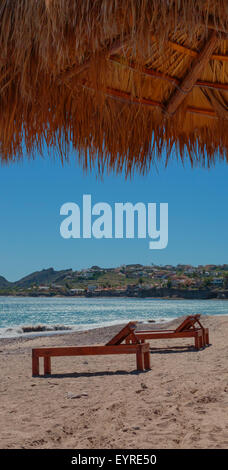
(27, 315)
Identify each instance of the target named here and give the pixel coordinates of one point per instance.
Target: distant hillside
(108, 281)
(4, 282)
(46, 276)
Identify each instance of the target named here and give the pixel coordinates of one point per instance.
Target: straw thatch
(123, 82)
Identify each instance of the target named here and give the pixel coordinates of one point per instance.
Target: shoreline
(147, 324)
(66, 329)
(44, 330)
(108, 297)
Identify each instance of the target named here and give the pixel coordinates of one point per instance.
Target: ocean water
(28, 316)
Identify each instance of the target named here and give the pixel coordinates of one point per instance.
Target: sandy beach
(103, 402)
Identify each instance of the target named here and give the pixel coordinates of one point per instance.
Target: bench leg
(207, 336)
(197, 342)
(147, 360)
(47, 365)
(35, 364)
(203, 340)
(139, 359)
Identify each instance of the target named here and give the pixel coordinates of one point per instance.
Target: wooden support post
(139, 359)
(47, 365)
(197, 341)
(203, 338)
(147, 360)
(192, 76)
(35, 364)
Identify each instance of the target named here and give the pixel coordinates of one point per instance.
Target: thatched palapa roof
(122, 81)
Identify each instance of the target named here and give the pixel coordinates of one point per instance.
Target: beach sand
(103, 402)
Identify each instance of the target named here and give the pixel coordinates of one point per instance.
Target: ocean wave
(42, 329)
(11, 332)
(36, 328)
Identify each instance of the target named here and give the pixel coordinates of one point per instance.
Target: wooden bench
(149, 335)
(141, 350)
(187, 329)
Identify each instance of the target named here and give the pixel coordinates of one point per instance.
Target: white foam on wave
(25, 330)
(10, 332)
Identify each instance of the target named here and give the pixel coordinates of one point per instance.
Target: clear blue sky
(32, 192)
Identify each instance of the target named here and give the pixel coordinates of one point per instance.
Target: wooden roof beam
(131, 65)
(187, 51)
(215, 25)
(120, 95)
(202, 111)
(76, 69)
(193, 75)
(168, 78)
(207, 21)
(124, 96)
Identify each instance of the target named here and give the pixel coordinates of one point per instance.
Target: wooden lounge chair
(114, 346)
(190, 327)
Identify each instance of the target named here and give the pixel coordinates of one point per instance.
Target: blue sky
(32, 192)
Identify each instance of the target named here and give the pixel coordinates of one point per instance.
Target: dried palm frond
(122, 82)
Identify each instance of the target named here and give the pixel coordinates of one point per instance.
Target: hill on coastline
(4, 282)
(182, 281)
(45, 276)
